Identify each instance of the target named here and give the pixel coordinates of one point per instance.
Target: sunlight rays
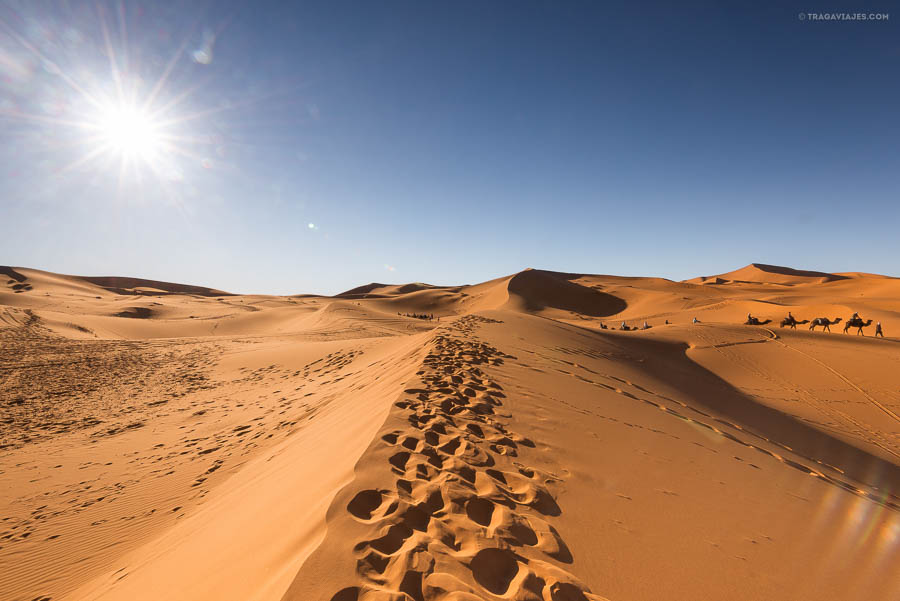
(116, 121)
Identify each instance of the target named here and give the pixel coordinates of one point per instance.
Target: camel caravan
(788, 322)
(791, 322)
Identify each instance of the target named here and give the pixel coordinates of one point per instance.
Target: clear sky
(287, 147)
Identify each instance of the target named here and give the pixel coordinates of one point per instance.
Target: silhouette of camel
(823, 321)
(753, 321)
(857, 323)
(792, 322)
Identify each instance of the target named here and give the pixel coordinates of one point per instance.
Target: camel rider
(791, 317)
(855, 316)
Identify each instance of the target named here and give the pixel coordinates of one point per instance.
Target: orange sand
(161, 441)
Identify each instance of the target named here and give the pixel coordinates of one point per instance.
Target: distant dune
(167, 441)
(117, 285)
(386, 289)
(121, 285)
(536, 291)
(759, 273)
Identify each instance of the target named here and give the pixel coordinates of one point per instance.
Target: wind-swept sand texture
(162, 441)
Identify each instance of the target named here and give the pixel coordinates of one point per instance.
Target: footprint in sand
(466, 522)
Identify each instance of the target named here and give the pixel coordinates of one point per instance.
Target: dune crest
(463, 513)
(760, 273)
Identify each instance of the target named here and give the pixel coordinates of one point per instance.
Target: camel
(754, 321)
(857, 323)
(824, 322)
(792, 322)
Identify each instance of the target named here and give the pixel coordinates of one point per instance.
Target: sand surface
(164, 441)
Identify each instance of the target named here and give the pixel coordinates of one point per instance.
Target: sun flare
(130, 132)
(105, 114)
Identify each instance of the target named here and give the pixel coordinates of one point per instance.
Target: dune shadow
(708, 391)
(136, 313)
(12, 273)
(539, 290)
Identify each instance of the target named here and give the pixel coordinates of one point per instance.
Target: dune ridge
(123, 285)
(463, 513)
(761, 273)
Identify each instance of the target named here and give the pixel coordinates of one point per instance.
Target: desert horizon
(501, 440)
(449, 301)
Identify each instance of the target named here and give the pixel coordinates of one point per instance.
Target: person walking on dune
(878, 330)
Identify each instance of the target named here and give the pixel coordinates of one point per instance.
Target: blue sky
(313, 147)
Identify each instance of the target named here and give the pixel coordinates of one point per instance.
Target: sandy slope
(177, 442)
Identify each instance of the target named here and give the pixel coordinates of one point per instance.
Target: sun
(130, 132)
(139, 121)
(139, 138)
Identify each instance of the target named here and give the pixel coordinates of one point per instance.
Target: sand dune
(538, 291)
(168, 441)
(375, 289)
(760, 273)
